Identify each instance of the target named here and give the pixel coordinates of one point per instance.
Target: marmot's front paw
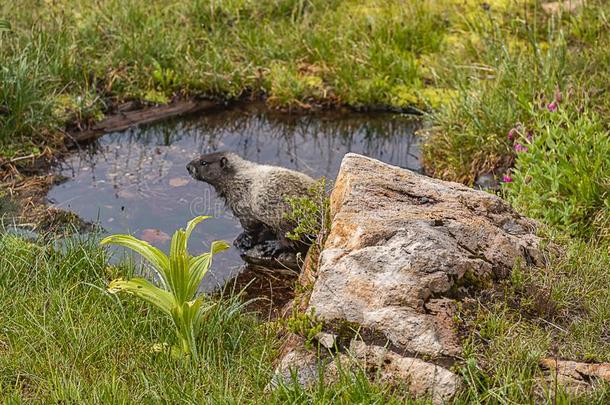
(244, 241)
(272, 248)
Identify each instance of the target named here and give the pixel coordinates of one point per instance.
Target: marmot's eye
(204, 163)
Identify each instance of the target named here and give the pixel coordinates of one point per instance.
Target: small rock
(178, 182)
(578, 371)
(303, 364)
(327, 340)
(575, 377)
(566, 6)
(423, 379)
(154, 236)
(486, 181)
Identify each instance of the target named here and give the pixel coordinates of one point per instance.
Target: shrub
(469, 134)
(562, 175)
(310, 215)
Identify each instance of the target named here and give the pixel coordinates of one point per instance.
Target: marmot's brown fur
(255, 193)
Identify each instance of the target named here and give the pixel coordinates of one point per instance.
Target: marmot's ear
(224, 162)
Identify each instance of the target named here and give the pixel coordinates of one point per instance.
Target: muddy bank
(131, 114)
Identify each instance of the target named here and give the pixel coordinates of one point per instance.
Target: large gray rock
(402, 250)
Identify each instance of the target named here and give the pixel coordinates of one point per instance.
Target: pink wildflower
(512, 134)
(520, 148)
(507, 179)
(552, 107)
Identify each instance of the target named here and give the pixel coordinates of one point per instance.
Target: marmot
(256, 194)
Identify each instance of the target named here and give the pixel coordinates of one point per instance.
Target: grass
(557, 311)
(505, 64)
(562, 176)
(81, 57)
(478, 68)
(514, 67)
(63, 338)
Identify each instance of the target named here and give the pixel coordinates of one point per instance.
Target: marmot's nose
(190, 168)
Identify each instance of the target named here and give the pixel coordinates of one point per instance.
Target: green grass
(563, 178)
(63, 338)
(503, 66)
(560, 311)
(555, 163)
(478, 70)
(67, 61)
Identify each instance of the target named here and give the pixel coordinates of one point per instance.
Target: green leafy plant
(180, 275)
(561, 172)
(164, 78)
(310, 214)
(306, 325)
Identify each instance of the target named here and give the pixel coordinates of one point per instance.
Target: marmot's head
(211, 168)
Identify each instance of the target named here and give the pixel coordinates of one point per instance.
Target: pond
(136, 181)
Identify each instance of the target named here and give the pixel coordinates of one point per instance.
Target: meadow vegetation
(477, 67)
(507, 68)
(560, 177)
(65, 338)
(505, 88)
(70, 61)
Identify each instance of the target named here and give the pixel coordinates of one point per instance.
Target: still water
(136, 181)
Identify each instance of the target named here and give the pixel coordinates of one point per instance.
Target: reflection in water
(136, 181)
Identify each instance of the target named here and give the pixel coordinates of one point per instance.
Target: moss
(435, 98)
(155, 97)
(306, 325)
(403, 96)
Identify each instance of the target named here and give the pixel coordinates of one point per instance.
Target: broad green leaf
(5, 25)
(180, 238)
(186, 317)
(178, 276)
(219, 246)
(142, 288)
(177, 246)
(191, 226)
(156, 257)
(200, 265)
